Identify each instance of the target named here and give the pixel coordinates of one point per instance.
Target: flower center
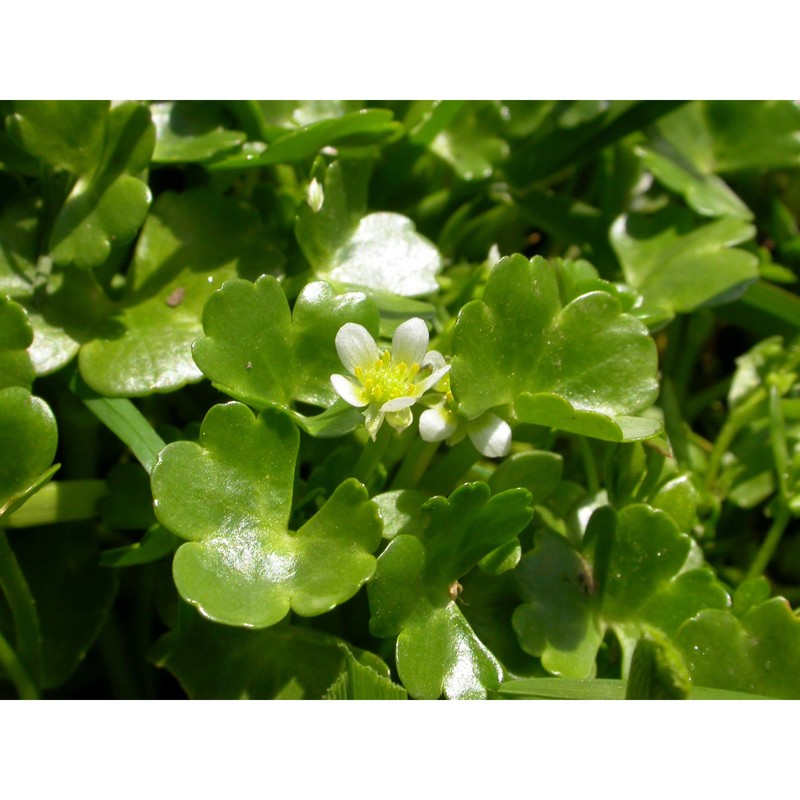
(384, 380)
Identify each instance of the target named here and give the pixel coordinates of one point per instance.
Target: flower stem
(415, 464)
(735, 422)
(372, 454)
(770, 543)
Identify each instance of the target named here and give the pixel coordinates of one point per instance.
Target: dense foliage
(409, 399)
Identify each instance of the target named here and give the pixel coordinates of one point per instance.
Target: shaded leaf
(190, 130)
(190, 245)
(217, 662)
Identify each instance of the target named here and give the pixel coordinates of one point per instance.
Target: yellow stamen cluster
(386, 381)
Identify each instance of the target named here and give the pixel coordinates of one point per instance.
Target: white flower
(490, 434)
(388, 384)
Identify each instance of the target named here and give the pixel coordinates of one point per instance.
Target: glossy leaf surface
(255, 350)
(380, 251)
(16, 336)
(359, 129)
(190, 244)
(412, 595)
(585, 367)
(230, 496)
(28, 437)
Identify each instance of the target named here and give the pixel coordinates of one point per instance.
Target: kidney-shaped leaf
(28, 437)
(758, 653)
(231, 496)
(16, 337)
(255, 350)
(585, 367)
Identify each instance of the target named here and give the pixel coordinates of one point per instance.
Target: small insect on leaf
(175, 297)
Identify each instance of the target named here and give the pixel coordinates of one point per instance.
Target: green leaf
(360, 682)
(563, 689)
(157, 543)
(230, 496)
(190, 130)
(19, 246)
(638, 576)
(122, 417)
(412, 595)
(585, 367)
(108, 203)
(128, 504)
(470, 143)
(401, 511)
(190, 244)
(538, 471)
(16, 336)
(730, 136)
(67, 135)
(757, 653)
(679, 498)
(704, 192)
(216, 662)
(379, 252)
(73, 594)
(28, 437)
(256, 351)
(369, 127)
(557, 622)
(657, 670)
(678, 266)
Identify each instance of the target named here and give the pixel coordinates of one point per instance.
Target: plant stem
(589, 465)
(26, 689)
(770, 543)
(415, 464)
(444, 476)
(372, 454)
(735, 422)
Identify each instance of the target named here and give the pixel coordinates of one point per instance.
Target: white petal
(348, 390)
(436, 424)
(356, 347)
(490, 435)
(433, 359)
(373, 419)
(433, 379)
(400, 420)
(397, 404)
(410, 341)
